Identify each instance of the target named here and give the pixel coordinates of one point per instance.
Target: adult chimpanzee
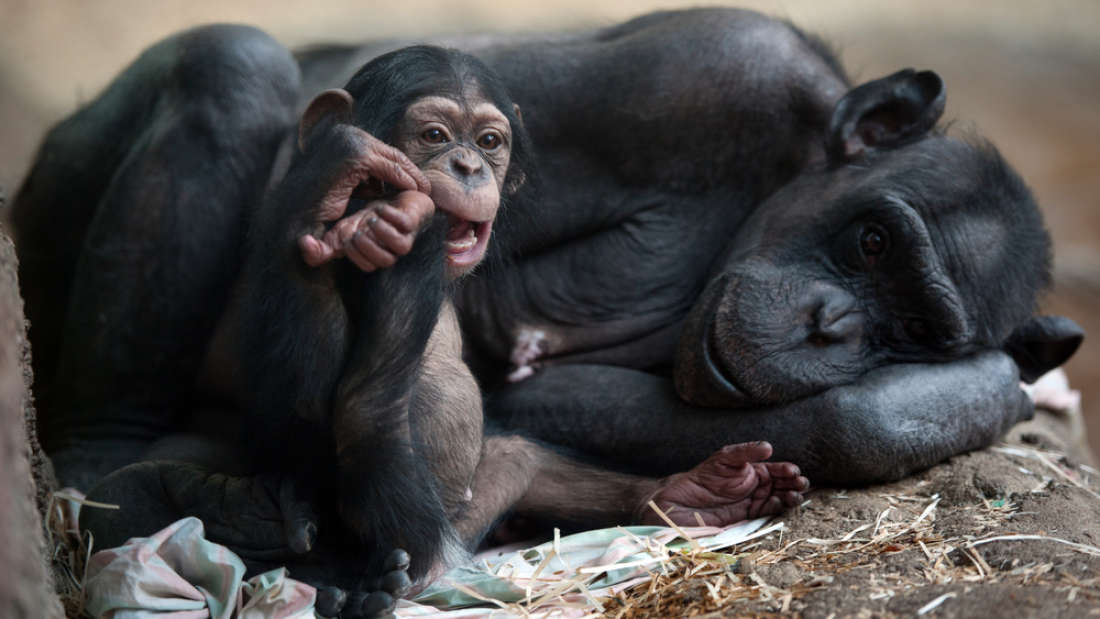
(361, 414)
(813, 264)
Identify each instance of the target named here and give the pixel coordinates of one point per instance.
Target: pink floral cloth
(178, 574)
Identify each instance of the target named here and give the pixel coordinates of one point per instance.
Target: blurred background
(1026, 74)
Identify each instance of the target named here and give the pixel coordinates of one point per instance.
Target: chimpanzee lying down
(711, 238)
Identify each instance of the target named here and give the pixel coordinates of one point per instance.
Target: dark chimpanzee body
(810, 263)
(728, 243)
(338, 339)
(814, 264)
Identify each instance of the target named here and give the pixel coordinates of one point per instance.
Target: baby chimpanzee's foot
(732, 485)
(378, 601)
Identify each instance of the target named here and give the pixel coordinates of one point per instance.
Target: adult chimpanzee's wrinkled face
(895, 259)
(463, 147)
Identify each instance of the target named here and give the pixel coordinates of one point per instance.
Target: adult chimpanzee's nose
(835, 320)
(466, 165)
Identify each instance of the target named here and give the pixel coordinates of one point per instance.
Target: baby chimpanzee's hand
(374, 237)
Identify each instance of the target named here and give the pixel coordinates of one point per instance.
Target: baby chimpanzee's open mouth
(466, 241)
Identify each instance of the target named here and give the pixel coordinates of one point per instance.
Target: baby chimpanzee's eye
(434, 136)
(490, 140)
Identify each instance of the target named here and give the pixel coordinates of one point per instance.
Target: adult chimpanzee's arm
(891, 422)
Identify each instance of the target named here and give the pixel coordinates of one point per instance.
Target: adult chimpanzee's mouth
(733, 394)
(466, 241)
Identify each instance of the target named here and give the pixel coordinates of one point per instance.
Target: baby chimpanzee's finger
(390, 238)
(366, 253)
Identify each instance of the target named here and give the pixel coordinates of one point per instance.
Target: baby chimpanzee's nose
(466, 165)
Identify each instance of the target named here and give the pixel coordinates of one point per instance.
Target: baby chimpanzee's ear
(330, 106)
(1042, 344)
(885, 113)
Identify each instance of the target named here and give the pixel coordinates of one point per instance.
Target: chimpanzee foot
(242, 513)
(732, 485)
(381, 598)
(299, 515)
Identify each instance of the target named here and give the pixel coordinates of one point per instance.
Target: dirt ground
(1025, 74)
(895, 549)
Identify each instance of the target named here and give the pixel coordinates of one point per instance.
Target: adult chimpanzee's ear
(885, 113)
(333, 105)
(1042, 344)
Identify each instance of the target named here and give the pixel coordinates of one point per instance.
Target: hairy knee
(510, 448)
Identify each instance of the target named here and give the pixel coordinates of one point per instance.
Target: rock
(26, 589)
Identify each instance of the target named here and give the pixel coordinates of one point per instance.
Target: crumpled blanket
(177, 573)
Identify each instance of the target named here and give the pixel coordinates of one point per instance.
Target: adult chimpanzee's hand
(346, 158)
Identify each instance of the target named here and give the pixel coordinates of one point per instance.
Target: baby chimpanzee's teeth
(456, 243)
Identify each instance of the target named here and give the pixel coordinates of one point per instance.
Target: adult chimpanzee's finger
(740, 453)
(390, 165)
(389, 238)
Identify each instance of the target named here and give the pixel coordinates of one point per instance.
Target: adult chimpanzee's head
(908, 246)
(454, 119)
